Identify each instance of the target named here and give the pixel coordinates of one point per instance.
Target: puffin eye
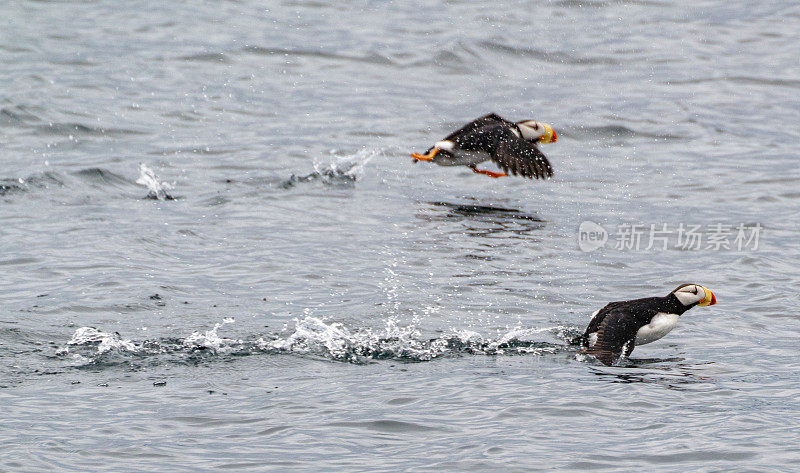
(536, 126)
(695, 290)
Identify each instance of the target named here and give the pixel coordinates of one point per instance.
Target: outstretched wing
(521, 157)
(615, 334)
(465, 135)
(490, 119)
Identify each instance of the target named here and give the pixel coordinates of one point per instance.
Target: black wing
(597, 319)
(490, 119)
(615, 334)
(521, 157)
(465, 136)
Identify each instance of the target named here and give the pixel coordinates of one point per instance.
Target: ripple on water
(284, 53)
(571, 59)
(99, 178)
(79, 129)
(43, 180)
(389, 426)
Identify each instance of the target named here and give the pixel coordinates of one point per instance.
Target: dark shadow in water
(483, 220)
(670, 372)
(672, 375)
(473, 210)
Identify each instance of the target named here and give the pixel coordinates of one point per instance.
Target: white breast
(462, 158)
(660, 325)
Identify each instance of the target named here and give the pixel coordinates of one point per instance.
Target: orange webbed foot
(489, 173)
(425, 157)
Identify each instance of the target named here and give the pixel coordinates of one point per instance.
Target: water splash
(105, 342)
(312, 336)
(342, 171)
(210, 339)
(156, 189)
(335, 341)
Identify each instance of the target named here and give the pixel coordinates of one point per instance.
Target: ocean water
(216, 253)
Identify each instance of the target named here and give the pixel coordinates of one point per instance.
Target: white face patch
(531, 130)
(446, 145)
(690, 294)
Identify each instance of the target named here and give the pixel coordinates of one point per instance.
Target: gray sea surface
(216, 252)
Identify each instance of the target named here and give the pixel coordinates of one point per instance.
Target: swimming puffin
(618, 327)
(511, 145)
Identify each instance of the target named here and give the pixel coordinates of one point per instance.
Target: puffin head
(694, 294)
(537, 132)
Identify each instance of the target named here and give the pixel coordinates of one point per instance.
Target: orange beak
(709, 299)
(549, 134)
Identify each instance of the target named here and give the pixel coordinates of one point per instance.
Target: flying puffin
(511, 145)
(618, 327)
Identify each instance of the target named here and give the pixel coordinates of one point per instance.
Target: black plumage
(617, 323)
(615, 328)
(493, 137)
